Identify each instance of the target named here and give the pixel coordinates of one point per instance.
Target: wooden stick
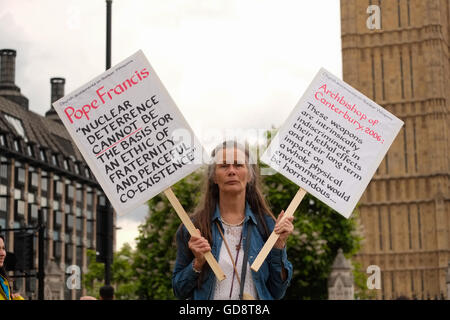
(274, 237)
(193, 232)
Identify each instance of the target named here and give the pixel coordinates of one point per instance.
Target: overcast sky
(228, 64)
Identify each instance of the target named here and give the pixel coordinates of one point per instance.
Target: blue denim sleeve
(184, 278)
(278, 260)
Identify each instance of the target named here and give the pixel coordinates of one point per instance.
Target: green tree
(319, 233)
(360, 279)
(122, 275)
(156, 245)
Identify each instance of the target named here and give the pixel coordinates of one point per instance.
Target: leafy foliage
(122, 275)
(156, 245)
(319, 233)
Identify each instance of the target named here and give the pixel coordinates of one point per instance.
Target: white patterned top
(222, 290)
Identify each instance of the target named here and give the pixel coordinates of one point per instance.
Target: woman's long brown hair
(253, 194)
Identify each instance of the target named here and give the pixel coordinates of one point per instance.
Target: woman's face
(231, 174)
(2, 252)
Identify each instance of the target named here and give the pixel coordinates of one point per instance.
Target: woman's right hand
(199, 246)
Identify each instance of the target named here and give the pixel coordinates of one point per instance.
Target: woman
(5, 288)
(235, 219)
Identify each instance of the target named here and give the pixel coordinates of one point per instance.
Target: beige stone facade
(404, 66)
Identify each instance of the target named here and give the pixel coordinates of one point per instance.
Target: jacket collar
(5, 285)
(249, 215)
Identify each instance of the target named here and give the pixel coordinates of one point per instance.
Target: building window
(42, 155)
(89, 227)
(383, 93)
(70, 191)
(17, 125)
(79, 254)
(56, 205)
(389, 227)
(57, 218)
(19, 209)
(20, 175)
(415, 145)
(79, 194)
(69, 252)
(79, 200)
(68, 208)
(30, 150)
(380, 229)
(44, 217)
(69, 222)
(18, 194)
(54, 160)
(89, 214)
(33, 211)
(31, 197)
(90, 195)
(79, 224)
(33, 180)
(419, 226)
(44, 184)
(68, 236)
(3, 204)
(3, 168)
(58, 186)
(57, 247)
(373, 77)
(102, 200)
(2, 140)
(402, 80)
(17, 145)
(409, 229)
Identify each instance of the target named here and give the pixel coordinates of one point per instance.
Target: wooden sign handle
(193, 232)
(274, 237)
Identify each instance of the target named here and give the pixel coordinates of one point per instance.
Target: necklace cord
(229, 253)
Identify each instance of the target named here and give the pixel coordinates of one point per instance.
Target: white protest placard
(330, 145)
(130, 132)
(333, 142)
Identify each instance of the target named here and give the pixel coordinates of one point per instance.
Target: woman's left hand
(283, 227)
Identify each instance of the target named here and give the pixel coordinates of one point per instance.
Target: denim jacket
(268, 282)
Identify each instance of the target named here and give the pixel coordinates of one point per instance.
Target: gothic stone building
(41, 168)
(340, 280)
(404, 67)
